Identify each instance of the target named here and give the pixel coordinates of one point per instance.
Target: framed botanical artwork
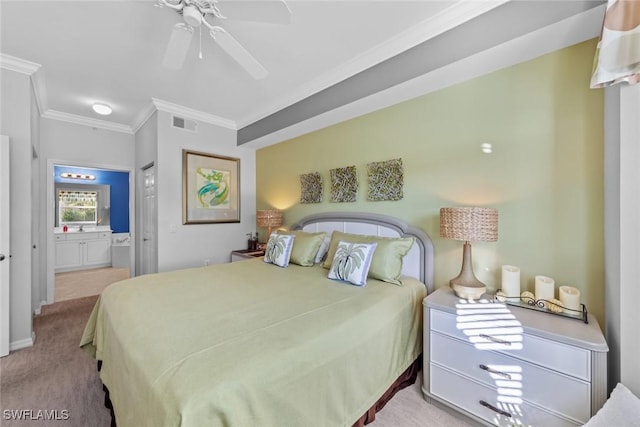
(210, 188)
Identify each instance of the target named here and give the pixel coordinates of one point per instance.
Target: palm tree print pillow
(351, 262)
(278, 249)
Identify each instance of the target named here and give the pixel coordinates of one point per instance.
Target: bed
(255, 344)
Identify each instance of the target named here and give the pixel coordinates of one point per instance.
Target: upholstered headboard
(417, 263)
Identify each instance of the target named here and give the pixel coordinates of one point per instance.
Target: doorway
(88, 209)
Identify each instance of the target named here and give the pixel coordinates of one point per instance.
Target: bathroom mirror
(82, 204)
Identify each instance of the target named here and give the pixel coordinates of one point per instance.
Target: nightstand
(244, 254)
(505, 365)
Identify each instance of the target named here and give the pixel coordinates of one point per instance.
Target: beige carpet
(56, 375)
(82, 283)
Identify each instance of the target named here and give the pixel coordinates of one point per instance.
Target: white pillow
(351, 262)
(621, 409)
(278, 249)
(322, 251)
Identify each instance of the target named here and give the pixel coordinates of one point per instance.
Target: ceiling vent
(185, 124)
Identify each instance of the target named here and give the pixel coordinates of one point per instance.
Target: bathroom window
(77, 207)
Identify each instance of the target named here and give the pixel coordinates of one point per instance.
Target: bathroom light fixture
(77, 176)
(102, 109)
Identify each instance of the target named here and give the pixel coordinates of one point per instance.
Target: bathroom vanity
(79, 250)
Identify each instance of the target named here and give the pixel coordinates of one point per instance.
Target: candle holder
(541, 305)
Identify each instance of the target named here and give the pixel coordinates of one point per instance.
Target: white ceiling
(111, 51)
(85, 51)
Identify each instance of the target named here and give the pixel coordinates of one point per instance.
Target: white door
(149, 245)
(4, 245)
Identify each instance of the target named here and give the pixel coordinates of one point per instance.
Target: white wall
(622, 233)
(15, 122)
(191, 244)
(630, 235)
(78, 145)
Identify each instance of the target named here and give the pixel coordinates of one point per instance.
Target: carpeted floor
(57, 379)
(55, 374)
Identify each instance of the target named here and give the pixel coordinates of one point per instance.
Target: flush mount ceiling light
(487, 148)
(102, 109)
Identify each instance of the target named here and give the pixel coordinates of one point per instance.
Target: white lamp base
(469, 292)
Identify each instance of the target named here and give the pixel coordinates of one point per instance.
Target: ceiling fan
(197, 13)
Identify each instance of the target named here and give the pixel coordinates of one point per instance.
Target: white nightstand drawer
(546, 388)
(554, 355)
(468, 394)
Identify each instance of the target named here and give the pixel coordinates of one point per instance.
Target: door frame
(5, 280)
(51, 213)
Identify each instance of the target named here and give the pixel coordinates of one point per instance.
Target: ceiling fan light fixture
(102, 109)
(192, 16)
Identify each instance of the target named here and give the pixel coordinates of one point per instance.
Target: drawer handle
(495, 340)
(494, 409)
(493, 371)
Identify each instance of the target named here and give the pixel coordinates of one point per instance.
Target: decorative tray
(542, 305)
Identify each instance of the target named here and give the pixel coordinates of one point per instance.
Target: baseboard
(38, 310)
(27, 342)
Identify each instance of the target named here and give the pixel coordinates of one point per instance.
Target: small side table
(244, 254)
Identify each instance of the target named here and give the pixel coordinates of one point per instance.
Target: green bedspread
(251, 344)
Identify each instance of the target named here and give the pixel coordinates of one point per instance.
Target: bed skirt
(407, 378)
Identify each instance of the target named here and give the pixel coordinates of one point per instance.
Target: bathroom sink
(91, 229)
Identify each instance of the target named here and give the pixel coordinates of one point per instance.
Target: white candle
(570, 298)
(511, 281)
(545, 288)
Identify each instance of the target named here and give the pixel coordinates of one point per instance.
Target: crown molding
(39, 91)
(31, 69)
(18, 65)
(144, 115)
(190, 113)
(86, 121)
(456, 14)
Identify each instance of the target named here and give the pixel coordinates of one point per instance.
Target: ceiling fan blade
(178, 46)
(270, 11)
(239, 53)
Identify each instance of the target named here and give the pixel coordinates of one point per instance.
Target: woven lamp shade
(470, 224)
(269, 218)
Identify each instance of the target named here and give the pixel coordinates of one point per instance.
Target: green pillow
(305, 246)
(387, 258)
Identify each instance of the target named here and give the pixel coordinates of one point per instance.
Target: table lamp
(269, 218)
(468, 224)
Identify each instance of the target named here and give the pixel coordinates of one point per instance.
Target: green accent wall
(545, 174)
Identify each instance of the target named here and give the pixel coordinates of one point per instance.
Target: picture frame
(210, 188)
